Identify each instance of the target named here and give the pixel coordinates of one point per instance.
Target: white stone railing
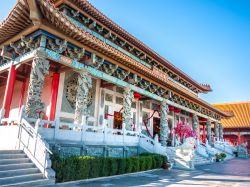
(202, 150)
(152, 145)
(224, 146)
(92, 135)
(35, 147)
(96, 135)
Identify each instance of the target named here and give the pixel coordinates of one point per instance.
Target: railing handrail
(29, 128)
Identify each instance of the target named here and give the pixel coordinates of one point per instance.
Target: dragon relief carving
(109, 68)
(128, 96)
(195, 122)
(84, 84)
(164, 123)
(71, 91)
(57, 45)
(160, 92)
(142, 83)
(121, 74)
(152, 88)
(75, 53)
(95, 61)
(25, 45)
(40, 67)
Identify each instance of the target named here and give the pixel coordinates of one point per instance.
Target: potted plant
(217, 157)
(223, 156)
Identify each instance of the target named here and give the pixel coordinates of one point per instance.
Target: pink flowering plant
(184, 130)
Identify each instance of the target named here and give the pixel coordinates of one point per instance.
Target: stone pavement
(231, 173)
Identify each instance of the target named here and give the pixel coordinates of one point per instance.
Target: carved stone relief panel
(70, 92)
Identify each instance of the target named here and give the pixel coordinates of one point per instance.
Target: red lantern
(177, 110)
(137, 95)
(171, 108)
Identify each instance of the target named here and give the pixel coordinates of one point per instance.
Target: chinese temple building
(83, 85)
(237, 128)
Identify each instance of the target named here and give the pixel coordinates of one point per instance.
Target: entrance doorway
(156, 126)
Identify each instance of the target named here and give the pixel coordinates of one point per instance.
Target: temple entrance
(156, 126)
(113, 108)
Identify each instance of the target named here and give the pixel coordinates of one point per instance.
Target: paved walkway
(228, 174)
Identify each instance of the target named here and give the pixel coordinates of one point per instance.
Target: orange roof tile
(241, 112)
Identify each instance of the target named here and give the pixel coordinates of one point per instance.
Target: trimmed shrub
(84, 167)
(113, 162)
(121, 165)
(142, 162)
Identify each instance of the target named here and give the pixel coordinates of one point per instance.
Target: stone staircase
(16, 169)
(178, 159)
(200, 160)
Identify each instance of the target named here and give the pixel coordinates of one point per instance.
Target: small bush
(84, 167)
(223, 156)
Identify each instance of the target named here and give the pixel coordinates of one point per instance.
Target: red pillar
(204, 133)
(22, 95)
(53, 97)
(9, 90)
(239, 139)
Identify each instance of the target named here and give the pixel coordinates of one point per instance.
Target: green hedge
(84, 167)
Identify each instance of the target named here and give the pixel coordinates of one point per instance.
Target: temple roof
(17, 20)
(22, 21)
(241, 112)
(95, 13)
(44, 15)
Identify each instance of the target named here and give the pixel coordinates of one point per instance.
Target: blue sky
(208, 40)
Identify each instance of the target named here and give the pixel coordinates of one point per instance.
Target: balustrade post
(38, 121)
(221, 132)
(105, 135)
(21, 114)
(57, 126)
(124, 134)
(83, 127)
(156, 142)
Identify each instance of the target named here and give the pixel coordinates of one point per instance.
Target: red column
(9, 90)
(204, 133)
(22, 95)
(239, 139)
(53, 97)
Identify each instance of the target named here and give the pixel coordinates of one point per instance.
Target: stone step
(16, 166)
(180, 164)
(18, 172)
(14, 161)
(39, 182)
(10, 151)
(12, 156)
(19, 179)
